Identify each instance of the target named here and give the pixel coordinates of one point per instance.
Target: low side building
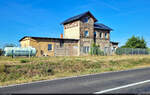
(51, 46)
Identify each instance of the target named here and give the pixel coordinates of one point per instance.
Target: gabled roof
(48, 38)
(78, 17)
(102, 26)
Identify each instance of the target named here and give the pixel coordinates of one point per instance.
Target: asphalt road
(131, 81)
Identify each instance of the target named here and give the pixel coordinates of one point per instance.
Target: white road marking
(120, 87)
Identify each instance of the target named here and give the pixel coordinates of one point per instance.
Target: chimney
(61, 35)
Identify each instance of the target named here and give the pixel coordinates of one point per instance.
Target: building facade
(80, 32)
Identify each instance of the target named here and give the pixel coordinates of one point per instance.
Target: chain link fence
(132, 51)
(119, 51)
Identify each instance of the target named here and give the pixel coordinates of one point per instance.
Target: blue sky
(19, 18)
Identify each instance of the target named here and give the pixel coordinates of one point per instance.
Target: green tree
(135, 42)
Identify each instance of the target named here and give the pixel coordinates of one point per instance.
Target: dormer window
(86, 33)
(85, 19)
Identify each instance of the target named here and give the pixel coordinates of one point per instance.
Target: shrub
(49, 71)
(24, 61)
(18, 66)
(118, 51)
(95, 50)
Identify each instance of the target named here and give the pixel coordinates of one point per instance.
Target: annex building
(80, 32)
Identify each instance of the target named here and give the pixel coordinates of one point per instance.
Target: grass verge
(23, 70)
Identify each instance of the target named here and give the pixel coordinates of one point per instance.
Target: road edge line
(121, 87)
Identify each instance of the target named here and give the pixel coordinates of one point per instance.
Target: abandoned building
(80, 32)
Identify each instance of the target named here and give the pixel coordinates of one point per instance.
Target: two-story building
(80, 32)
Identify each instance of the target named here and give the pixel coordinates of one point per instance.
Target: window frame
(51, 47)
(87, 33)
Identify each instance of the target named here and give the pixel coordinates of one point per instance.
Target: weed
(2, 68)
(18, 66)
(24, 61)
(54, 67)
(113, 62)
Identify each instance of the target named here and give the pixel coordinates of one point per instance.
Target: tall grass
(13, 71)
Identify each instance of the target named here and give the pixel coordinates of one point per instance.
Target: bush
(24, 61)
(49, 71)
(95, 50)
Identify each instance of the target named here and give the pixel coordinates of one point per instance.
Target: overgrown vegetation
(13, 71)
(95, 50)
(24, 61)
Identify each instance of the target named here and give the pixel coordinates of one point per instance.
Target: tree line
(135, 42)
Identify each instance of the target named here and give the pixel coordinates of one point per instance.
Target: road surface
(130, 81)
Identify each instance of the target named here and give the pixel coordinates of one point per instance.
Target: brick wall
(41, 45)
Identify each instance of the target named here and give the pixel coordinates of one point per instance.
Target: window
(61, 43)
(105, 35)
(86, 33)
(85, 20)
(49, 47)
(100, 35)
(95, 34)
(94, 37)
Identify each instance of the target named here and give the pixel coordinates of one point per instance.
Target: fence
(86, 50)
(132, 51)
(66, 51)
